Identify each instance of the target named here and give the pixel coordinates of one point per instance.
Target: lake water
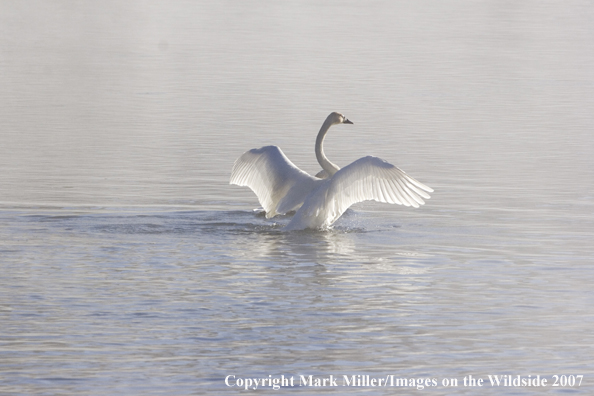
(129, 265)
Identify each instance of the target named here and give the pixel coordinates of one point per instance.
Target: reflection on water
(107, 296)
(130, 266)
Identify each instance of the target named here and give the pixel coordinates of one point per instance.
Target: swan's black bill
(347, 121)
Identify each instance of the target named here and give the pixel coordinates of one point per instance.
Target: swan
(320, 200)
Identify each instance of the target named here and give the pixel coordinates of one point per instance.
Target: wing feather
(385, 191)
(420, 192)
(401, 200)
(393, 194)
(371, 178)
(279, 185)
(405, 193)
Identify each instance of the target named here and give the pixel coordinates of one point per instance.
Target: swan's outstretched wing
(278, 183)
(368, 178)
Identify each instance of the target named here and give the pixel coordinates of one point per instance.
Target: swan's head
(337, 118)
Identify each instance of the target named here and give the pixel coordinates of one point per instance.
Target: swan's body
(320, 200)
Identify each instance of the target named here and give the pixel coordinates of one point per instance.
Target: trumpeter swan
(282, 187)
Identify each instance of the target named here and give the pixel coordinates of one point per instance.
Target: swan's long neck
(322, 159)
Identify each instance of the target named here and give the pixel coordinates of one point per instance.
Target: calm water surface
(128, 265)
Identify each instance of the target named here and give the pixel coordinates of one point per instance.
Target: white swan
(282, 187)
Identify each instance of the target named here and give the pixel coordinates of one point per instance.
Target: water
(130, 266)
